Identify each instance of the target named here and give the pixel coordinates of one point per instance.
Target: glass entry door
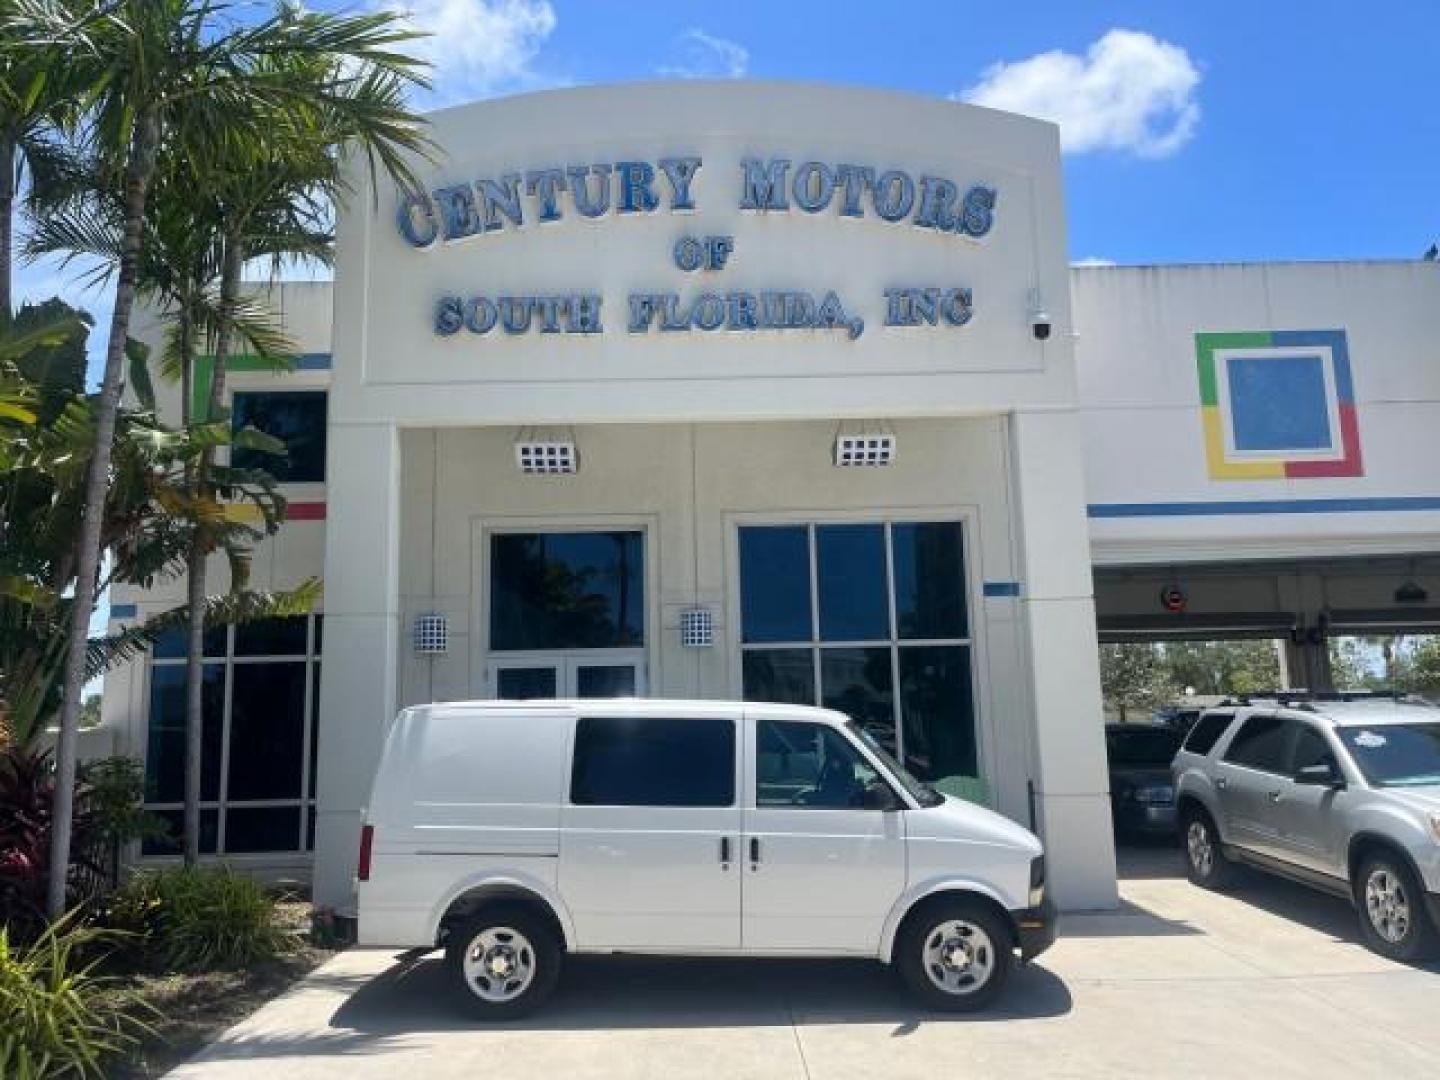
(568, 677)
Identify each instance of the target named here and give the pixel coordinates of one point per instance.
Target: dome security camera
(1040, 324)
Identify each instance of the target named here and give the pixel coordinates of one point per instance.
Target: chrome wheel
(959, 957)
(499, 964)
(1387, 905)
(1200, 848)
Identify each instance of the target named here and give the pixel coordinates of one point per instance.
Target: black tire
(1394, 921)
(517, 941)
(990, 946)
(1206, 864)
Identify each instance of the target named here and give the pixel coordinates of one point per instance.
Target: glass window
(1260, 744)
(271, 637)
(850, 576)
(1396, 755)
(605, 680)
(857, 682)
(581, 590)
(165, 748)
(262, 828)
(783, 675)
(174, 823)
(1310, 748)
(935, 708)
(1138, 744)
(525, 683)
(1207, 731)
(267, 731)
(645, 761)
(930, 580)
(170, 645)
(775, 584)
(296, 418)
(809, 765)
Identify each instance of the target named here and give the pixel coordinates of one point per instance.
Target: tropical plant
(197, 918)
(63, 1018)
(46, 432)
(27, 787)
(185, 77)
(115, 798)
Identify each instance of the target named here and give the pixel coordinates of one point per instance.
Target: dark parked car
(1142, 793)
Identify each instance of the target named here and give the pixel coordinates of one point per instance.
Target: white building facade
(746, 389)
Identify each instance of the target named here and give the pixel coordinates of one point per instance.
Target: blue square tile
(1278, 403)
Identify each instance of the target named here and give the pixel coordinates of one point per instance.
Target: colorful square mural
(1278, 404)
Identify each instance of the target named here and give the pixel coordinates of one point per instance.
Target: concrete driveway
(1270, 981)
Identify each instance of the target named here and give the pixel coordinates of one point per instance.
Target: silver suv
(1343, 795)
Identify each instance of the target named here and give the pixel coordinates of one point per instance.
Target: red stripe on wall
(1350, 465)
(305, 511)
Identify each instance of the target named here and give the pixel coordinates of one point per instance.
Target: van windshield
(920, 791)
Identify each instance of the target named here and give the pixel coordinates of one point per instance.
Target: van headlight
(1037, 881)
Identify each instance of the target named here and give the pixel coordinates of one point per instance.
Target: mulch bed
(192, 1009)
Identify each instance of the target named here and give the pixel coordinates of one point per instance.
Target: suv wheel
(955, 955)
(1205, 862)
(503, 963)
(1393, 919)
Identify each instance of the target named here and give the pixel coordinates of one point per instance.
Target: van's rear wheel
(955, 955)
(503, 962)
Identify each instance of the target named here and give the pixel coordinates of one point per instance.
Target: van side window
(651, 761)
(800, 764)
(1207, 731)
(1262, 743)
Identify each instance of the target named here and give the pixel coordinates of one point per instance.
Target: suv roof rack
(1301, 698)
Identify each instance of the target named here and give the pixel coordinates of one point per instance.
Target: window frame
(972, 584)
(737, 742)
(305, 802)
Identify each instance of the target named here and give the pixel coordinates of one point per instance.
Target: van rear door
(650, 832)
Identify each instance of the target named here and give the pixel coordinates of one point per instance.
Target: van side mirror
(1326, 774)
(879, 796)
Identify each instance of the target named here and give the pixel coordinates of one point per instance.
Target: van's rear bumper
(1036, 928)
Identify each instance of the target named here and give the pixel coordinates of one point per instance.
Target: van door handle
(1222, 783)
(754, 850)
(1274, 796)
(724, 853)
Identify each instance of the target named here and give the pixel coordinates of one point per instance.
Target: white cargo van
(511, 833)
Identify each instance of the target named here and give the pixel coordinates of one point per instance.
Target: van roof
(678, 708)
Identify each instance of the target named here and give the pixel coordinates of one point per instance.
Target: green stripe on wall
(1205, 346)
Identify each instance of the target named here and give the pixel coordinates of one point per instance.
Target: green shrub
(197, 918)
(59, 1017)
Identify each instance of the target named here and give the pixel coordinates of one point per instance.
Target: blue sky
(1284, 129)
(1311, 129)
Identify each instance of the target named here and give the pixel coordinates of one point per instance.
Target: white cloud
(699, 55)
(480, 47)
(1093, 260)
(1130, 92)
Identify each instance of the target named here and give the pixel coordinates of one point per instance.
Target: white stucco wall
(1140, 406)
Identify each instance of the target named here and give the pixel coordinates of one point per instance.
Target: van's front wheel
(955, 955)
(503, 963)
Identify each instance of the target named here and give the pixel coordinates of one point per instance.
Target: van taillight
(367, 838)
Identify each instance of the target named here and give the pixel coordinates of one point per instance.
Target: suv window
(1311, 748)
(809, 765)
(1261, 744)
(1207, 731)
(650, 761)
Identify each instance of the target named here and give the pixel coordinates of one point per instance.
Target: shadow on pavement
(599, 992)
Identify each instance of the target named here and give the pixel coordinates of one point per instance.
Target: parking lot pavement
(1267, 981)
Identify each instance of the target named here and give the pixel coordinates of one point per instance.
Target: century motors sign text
(464, 211)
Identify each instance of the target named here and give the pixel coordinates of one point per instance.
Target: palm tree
(35, 103)
(183, 77)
